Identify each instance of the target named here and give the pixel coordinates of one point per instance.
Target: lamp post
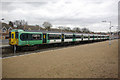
(110, 31)
(117, 32)
(110, 35)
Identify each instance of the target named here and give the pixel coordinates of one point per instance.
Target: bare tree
(77, 29)
(60, 27)
(47, 25)
(11, 23)
(21, 24)
(38, 26)
(85, 30)
(67, 28)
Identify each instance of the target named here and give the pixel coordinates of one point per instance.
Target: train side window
(23, 37)
(36, 37)
(29, 36)
(26, 36)
(68, 36)
(91, 36)
(39, 37)
(85, 36)
(95, 36)
(78, 36)
(57, 36)
(54, 36)
(51, 36)
(16, 34)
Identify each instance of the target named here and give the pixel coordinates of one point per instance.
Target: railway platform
(97, 60)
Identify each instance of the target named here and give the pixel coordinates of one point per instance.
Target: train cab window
(12, 35)
(9, 34)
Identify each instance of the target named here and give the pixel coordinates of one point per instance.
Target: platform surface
(96, 60)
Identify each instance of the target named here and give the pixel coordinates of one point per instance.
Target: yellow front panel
(13, 40)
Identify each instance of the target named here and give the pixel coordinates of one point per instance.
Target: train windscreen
(9, 34)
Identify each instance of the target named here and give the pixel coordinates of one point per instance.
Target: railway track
(41, 48)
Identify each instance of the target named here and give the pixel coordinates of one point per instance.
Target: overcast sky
(68, 13)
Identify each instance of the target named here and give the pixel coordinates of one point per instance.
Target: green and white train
(20, 37)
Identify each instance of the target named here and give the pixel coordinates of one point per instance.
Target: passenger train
(20, 37)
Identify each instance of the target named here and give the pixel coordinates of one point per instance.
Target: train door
(82, 37)
(93, 37)
(74, 37)
(62, 38)
(12, 37)
(44, 38)
(88, 37)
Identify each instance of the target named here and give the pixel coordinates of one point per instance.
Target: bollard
(14, 49)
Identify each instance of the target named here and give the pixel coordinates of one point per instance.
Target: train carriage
(69, 37)
(85, 37)
(98, 37)
(22, 38)
(91, 37)
(95, 36)
(78, 37)
(54, 37)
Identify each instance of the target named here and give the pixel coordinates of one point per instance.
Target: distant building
(4, 30)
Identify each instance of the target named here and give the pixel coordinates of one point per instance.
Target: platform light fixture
(110, 30)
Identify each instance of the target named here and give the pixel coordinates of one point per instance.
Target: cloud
(63, 12)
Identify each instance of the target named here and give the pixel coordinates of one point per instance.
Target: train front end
(14, 37)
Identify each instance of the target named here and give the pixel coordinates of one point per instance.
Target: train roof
(43, 31)
(58, 32)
